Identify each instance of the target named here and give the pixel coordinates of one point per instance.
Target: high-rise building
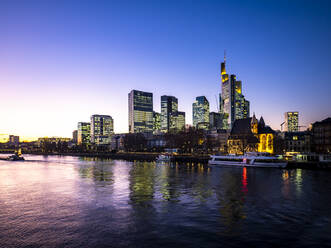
(102, 128)
(232, 102)
(74, 136)
(14, 140)
(169, 105)
(140, 111)
(83, 133)
(156, 122)
(215, 120)
(291, 121)
(177, 121)
(200, 111)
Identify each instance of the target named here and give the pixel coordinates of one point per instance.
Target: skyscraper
(169, 105)
(232, 102)
(74, 136)
(201, 112)
(177, 121)
(102, 128)
(215, 120)
(291, 121)
(83, 133)
(156, 122)
(140, 111)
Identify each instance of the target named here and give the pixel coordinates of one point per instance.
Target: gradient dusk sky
(62, 61)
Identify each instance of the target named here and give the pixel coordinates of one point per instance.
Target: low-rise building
(321, 136)
(218, 138)
(297, 141)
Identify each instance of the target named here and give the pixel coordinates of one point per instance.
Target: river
(63, 201)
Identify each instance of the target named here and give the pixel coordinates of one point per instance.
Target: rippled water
(74, 202)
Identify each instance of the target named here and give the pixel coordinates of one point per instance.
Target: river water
(54, 201)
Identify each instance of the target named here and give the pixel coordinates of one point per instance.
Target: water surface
(54, 201)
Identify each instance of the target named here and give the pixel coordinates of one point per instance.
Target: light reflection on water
(53, 201)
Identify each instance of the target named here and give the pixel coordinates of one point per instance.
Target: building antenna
(224, 55)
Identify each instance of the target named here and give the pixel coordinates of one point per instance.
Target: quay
(181, 158)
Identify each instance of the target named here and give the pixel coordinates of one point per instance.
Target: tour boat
(252, 159)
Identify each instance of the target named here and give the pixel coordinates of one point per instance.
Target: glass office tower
(140, 111)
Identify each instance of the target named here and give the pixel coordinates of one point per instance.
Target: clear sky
(62, 61)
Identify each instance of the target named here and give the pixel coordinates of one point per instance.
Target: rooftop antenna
(224, 55)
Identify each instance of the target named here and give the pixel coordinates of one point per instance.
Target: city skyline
(91, 71)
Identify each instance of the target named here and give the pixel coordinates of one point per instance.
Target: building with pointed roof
(251, 135)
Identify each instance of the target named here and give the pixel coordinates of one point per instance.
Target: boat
(15, 157)
(163, 158)
(251, 159)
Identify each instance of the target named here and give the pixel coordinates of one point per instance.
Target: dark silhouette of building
(321, 134)
(297, 141)
(14, 140)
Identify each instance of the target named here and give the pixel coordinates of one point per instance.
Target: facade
(291, 122)
(83, 133)
(74, 136)
(232, 102)
(156, 122)
(219, 137)
(215, 120)
(140, 111)
(117, 142)
(14, 140)
(251, 135)
(201, 112)
(102, 128)
(55, 140)
(169, 105)
(177, 121)
(297, 142)
(321, 136)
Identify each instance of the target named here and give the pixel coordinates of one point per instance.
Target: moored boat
(15, 157)
(163, 158)
(253, 159)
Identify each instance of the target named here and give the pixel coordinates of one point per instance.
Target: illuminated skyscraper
(83, 133)
(169, 105)
(201, 112)
(102, 128)
(156, 122)
(177, 121)
(140, 111)
(291, 122)
(233, 104)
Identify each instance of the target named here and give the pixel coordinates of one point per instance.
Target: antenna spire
(224, 55)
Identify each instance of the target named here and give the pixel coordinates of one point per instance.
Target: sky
(62, 61)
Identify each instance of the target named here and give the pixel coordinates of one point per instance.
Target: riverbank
(180, 158)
